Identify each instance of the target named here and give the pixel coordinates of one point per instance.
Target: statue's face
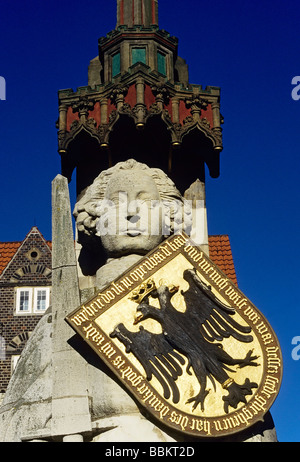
(131, 219)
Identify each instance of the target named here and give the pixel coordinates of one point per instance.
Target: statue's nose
(133, 218)
(132, 208)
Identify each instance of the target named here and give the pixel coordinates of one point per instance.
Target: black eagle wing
(213, 318)
(156, 355)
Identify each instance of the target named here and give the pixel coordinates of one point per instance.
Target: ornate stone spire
(137, 12)
(140, 104)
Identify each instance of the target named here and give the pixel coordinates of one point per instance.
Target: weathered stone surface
(26, 407)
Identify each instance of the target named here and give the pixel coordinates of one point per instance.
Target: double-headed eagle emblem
(190, 339)
(196, 354)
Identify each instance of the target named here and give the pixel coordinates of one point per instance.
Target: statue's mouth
(134, 232)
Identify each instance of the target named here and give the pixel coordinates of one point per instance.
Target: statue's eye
(120, 197)
(144, 196)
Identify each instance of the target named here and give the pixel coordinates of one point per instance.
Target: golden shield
(185, 341)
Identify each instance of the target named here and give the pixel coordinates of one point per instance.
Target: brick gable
(31, 262)
(22, 264)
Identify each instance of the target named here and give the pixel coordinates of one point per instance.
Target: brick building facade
(25, 291)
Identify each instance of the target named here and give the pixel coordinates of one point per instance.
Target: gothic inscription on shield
(185, 341)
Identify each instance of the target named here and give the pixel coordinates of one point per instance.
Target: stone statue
(115, 219)
(114, 413)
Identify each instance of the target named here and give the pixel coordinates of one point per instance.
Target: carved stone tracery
(83, 106)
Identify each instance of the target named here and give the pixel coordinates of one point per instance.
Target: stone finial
(196, 194)
(137, 12)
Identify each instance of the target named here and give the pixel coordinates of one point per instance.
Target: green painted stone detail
(138, 55)
(161, 63)
(116, 64)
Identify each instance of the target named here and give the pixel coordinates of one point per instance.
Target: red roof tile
(220, 253)
(7, 251)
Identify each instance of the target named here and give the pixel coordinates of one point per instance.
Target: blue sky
(249, 49)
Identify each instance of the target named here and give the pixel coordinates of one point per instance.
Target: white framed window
(32, 300)
(24, 300)
(41, 299)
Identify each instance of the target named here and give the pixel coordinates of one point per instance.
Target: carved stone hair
(86, 209)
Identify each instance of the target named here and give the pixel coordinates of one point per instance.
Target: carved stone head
(130, 208)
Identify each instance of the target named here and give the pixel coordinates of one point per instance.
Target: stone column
(132, 12)
(63, 117)
(216, 114)
(103, 110)
(175, 110)
(140, 108)
(71, 418)
(217, 130)
(138, 6)
(62, 127)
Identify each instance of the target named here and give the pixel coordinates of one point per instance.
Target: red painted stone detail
(130, 98)
(149, 97)
(71, 116)
(96, 113)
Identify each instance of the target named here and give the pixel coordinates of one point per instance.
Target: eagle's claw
(198, 399)
(249, 360)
